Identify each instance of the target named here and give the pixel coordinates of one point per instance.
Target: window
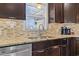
(35, 12)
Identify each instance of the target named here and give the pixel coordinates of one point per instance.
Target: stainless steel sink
(41, 37)
(32, 37)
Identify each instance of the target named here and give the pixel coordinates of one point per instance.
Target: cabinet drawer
(42, 52)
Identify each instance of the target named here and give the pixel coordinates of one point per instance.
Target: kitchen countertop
(52, 33)
(22, 40)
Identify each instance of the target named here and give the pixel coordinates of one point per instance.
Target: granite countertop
(22, 40)
(52, 33)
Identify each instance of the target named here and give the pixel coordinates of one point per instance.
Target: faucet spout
(41, 29)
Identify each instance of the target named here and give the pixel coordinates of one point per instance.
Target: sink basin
(32, 37)
(41, 37)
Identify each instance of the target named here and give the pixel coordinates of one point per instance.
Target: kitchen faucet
(37, 32)
(41, 29)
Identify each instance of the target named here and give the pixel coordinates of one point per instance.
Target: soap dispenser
(65, 30)
(69, 31)
(62, 28)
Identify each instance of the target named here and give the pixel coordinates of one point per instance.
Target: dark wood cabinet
(21, 11)
(59, 47)
(71, 46)
(46, 48)
(51, 12)
(77, 16)
(70, 12)
(12, 10)
(56, 12)
(77, 46)
(59, 12)
(39, 49)
(63, 12)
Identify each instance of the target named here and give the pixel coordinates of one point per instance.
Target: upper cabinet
(59, 12)
(70, 12)
(77, 16)
(12, 10)
(51, 12)
(56, 12)
(63, 12)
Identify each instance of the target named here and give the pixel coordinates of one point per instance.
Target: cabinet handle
(40, 51)
(55, 47)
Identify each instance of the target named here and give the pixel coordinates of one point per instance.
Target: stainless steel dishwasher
(20, 50)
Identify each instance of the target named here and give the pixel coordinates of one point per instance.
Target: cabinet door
(77, 46)
(51, 12)
(77, 16)
(70, 13)
(2, 10)
(16, 10)
(12, 10)
(59, 12)
(71, 46)
(39, 49)
(38, 46)
(56, 12)
(21, 11)
(54, 51)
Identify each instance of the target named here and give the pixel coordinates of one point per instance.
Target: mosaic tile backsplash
(10, 28)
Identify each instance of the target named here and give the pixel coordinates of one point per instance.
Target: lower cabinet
(39, 49)
(60, 47)
(47, 48)
(77, 46)
(71, 49)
